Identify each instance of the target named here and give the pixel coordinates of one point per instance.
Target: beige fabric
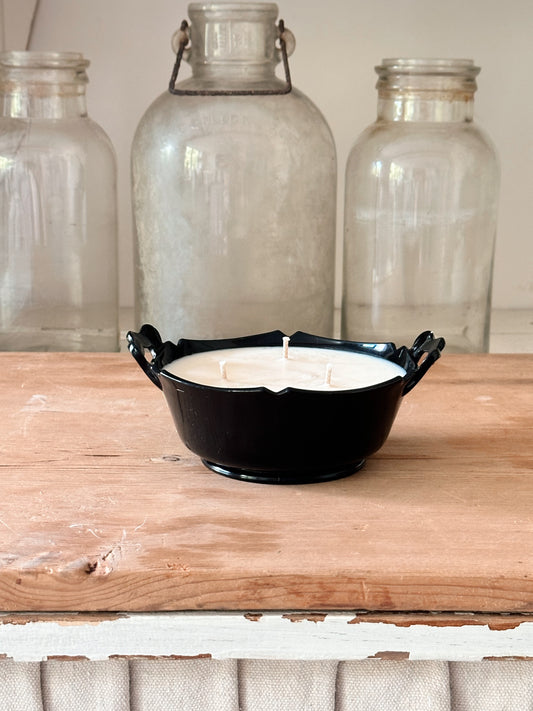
(85, 685)
(184, 685)
(386, 685)
(20, 686)
(257, 685)
(492, 685)
(270, 685)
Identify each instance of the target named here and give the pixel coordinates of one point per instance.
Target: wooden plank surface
(103, 508)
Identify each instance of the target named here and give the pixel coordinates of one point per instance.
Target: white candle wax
(269, 367)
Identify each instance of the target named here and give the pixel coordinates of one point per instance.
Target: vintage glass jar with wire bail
(420, 210)
(234, 184)
(58, 224)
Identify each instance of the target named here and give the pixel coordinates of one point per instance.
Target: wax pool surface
(266, 366)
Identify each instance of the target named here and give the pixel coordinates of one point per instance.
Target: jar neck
(48, 85)
(415, 107)
(438, 90)
(233, 43)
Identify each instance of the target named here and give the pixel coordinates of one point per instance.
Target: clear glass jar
(58, 225)
(234, 189)
(420, 211)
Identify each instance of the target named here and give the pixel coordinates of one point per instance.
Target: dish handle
(425, 350)
(147, 338)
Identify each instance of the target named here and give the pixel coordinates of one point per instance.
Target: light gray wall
(338, 44)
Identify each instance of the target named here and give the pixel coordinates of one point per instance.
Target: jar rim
(251, 7)
(43, 59)
(428, 65)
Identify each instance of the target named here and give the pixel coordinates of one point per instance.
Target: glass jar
(58, 225)
(234, 185)
(420, 211)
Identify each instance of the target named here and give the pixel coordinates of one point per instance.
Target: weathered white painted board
(304, 636)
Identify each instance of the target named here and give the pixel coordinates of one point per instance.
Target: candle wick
(223, 370)
(286, 340)
(329, 368)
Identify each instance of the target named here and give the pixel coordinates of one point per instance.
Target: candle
(277, 368)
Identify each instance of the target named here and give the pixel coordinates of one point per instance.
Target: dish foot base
(283, 477)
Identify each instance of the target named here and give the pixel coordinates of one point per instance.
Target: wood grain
(103, 509)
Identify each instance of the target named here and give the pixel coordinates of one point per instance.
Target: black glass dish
(287, 437)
